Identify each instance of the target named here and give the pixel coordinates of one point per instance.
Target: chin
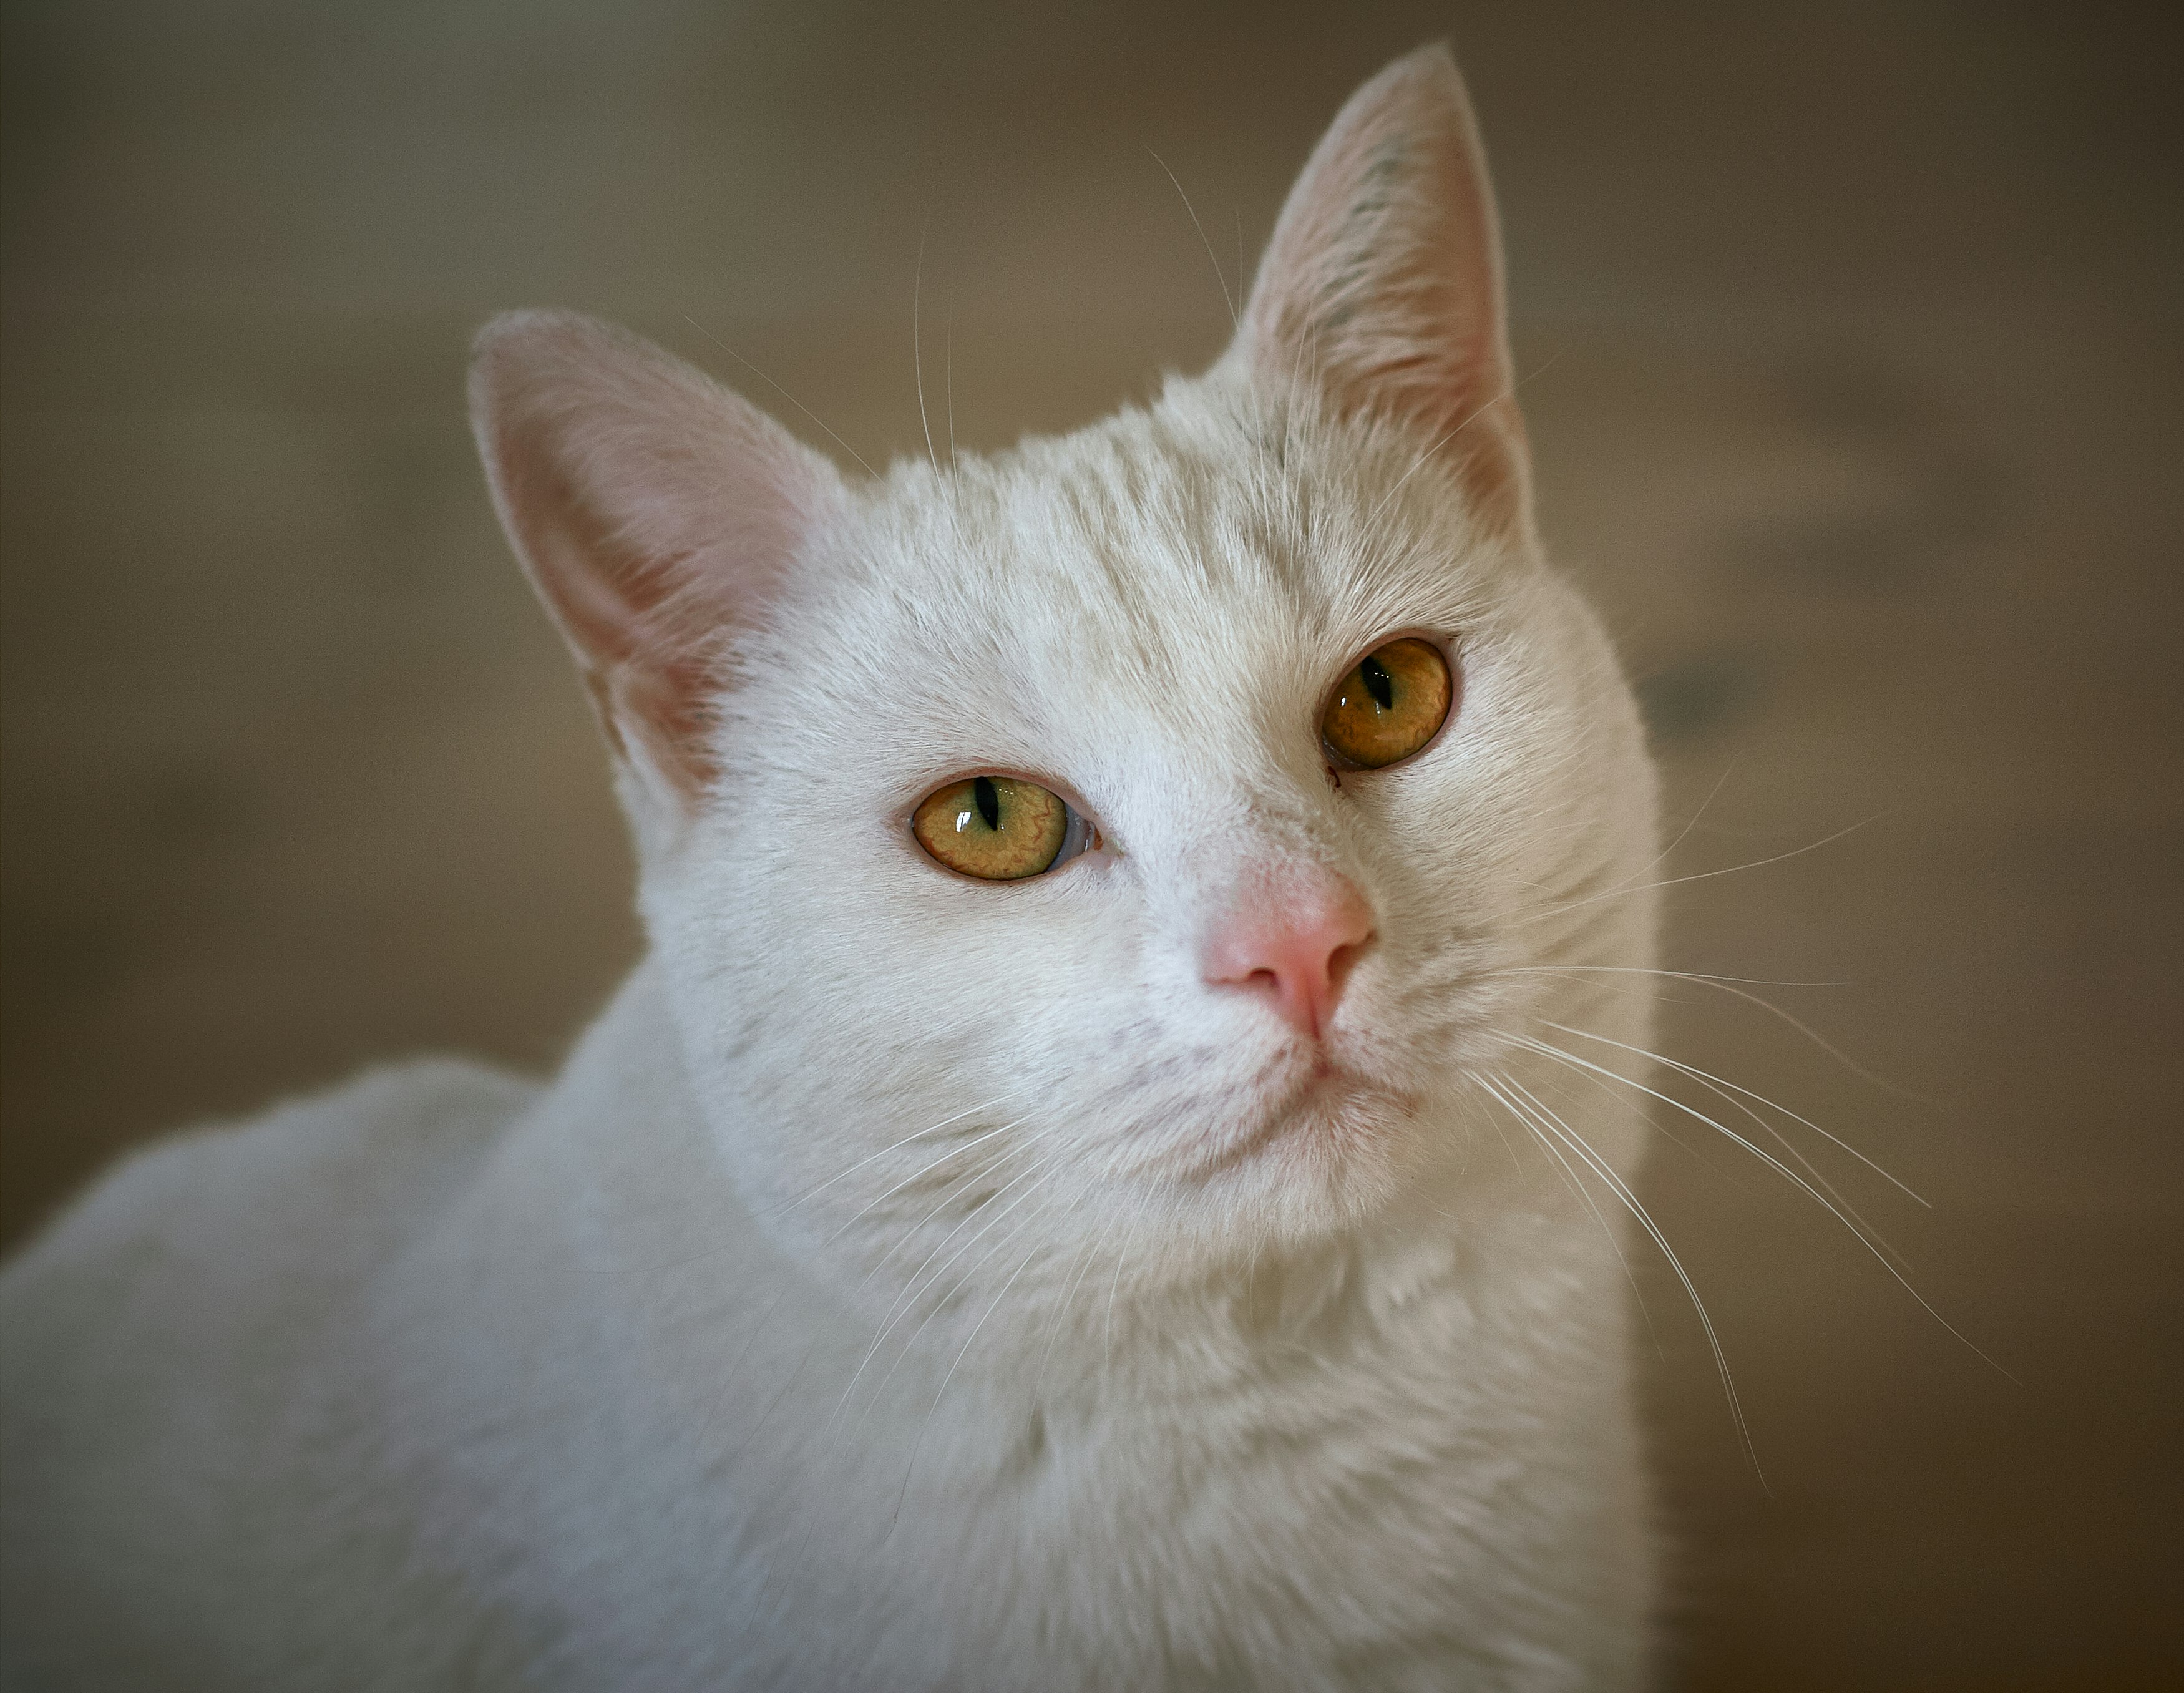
(1319, 1148)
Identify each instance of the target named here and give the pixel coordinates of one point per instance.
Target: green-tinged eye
(994, 827)
(1390, 705)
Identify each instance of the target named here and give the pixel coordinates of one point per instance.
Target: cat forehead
(1139, 555)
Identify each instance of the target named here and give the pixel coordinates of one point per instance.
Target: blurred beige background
(1856, 335)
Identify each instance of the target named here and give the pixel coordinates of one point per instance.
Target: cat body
(1158, 1270)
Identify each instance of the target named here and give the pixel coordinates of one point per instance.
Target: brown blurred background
(1856, 335)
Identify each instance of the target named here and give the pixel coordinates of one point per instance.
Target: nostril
(1301, 950)
(1343, 960)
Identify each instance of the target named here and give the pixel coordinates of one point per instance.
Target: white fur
(914, 1283)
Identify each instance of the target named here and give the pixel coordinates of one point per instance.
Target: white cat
(1062, 1204)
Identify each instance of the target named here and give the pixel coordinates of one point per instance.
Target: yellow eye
(993, 828)
(1391, 705)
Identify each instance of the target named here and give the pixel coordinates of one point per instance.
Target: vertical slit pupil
(988, 798)
(1378, 683)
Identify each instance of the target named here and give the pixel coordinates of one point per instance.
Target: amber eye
(994, 827)
(1391, 705)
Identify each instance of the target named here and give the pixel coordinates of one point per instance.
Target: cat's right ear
(656, 513)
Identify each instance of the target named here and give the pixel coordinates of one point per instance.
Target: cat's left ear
(1383, 282)
(657, 514)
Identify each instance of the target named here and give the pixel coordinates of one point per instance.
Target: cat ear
(1383, 282)
(656, 513)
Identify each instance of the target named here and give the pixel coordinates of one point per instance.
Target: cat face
(1146, 619)
(1240, 1007)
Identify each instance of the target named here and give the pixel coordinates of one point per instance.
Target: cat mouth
(1325, 1106)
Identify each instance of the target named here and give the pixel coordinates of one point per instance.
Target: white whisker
(1418, 463)
(1684, 833)
(945, 1122)
(1570, 1177)
(1773, 1163)
(1738, 986)
(1720, 1082)
(917, 347)
(954, 1152)
(1703, 875)
(1228, 300)
(832, 1428)
(762, 376)
(951, 390)
(917, 1445)
(1601, 1168)
(906, 1301)
(1644, 970)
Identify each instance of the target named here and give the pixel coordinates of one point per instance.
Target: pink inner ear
(642, 625)
(656, 513)
(1383, 282)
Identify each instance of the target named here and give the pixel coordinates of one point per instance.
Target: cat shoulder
(193, 1229)
(160, 1344)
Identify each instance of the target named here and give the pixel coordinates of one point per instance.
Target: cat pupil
(989, 800)
(1378, 683)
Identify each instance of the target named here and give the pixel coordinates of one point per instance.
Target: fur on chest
(1423, 1468)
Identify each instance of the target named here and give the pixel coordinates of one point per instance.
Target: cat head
(1131, 835)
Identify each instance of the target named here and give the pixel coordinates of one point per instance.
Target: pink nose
(1296, 943)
